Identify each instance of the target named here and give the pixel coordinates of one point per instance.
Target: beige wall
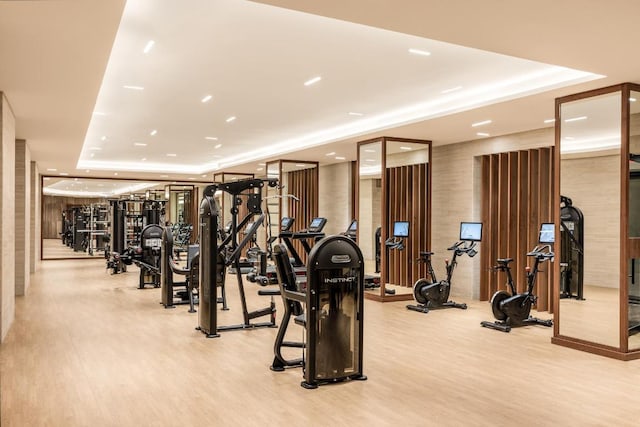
(22, 214)
(7, 220)
(334, 198)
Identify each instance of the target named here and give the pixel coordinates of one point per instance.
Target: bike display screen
(471, 231)
(401, 229)
(547, 233)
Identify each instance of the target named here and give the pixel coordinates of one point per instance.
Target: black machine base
(424, 308)
(247, 326)
(314, 385)
(505, 326)
(198, 328)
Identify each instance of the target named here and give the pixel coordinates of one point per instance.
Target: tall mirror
(590, 176)
(634, 221)
(369, 207)
(76, 214)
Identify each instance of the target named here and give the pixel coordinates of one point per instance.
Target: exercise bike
(435, 294)
(513, 309)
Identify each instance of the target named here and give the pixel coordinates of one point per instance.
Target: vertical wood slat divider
(304, 185)
(516, 199)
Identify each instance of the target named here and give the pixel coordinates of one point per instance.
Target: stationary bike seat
(504, 261)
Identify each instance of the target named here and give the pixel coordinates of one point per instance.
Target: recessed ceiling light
(144, 159)
(262, 164)
(92, 155)
(482, 134)
(340, 158)
(148, 46)
(313, 80)
(164, 176)
(103, 138)
(172, 155)
(211, 138)
(204, 175)
(46, 178)
(550, 120)
(453, 89)
(484, 122)
(575, 119)
(352, 113)
(230, 119)
(405, 148)
(153, 132)
(259, 169)
(52, 170)
(140, 144)
(64, 174)
(300, 165)
(217, 146)
(191, 178)
(419, 52)
(368, 150)
(333, 153)
(207, 98)
(87, 171)
(95, 148)
(133, 87)
(115, 173)
(632, 99)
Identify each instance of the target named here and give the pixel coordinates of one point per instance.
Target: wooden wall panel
(517, 198)
(407, 191)
(52, 208)
(304, 184)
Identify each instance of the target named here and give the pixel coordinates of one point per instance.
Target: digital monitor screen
(547, 233)
(401, 229)
(286, 223)
(354, 225)
(471, 231)
(315, 223)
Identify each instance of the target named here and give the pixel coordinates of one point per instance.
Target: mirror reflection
(77, 213)
(369, 207)
(590, 187)
(634, 221)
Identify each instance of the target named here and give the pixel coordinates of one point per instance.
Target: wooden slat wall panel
(406, 201)
(304, 184)
(516, 198)
(52, 208)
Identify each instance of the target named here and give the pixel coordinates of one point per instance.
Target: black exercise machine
(148, 256)
(307, 238)
(219, 250)
(334, 312)
(432, 294)
(571, 250)
(512, 309)
(263, 273)
(188, 288)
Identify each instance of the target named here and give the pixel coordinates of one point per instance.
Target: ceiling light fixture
(340, 158)
(333, 153)
(115, 173)
(550, 120)
(300, 165)
(144, 159)
(312, 81)
(569, 138)
(64, 174)
(211, 138)
(260, 169)
(482, 134)
(217, 146)
(95, 148)
(419, 52)
(52, 170)
(153, 132)
(632, 99)
(99, 113)
(133, 87)
(207, 98)
(103, 138)
(453, 89)
(230, 119)
(140, 144)
(262, 164)
(352, 113)
(405, 148)
(575, 119)
(164, 176)
(148, 46)
(172, 155)
(484, 122)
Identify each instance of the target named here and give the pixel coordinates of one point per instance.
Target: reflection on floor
(595, 319)
(55, 249)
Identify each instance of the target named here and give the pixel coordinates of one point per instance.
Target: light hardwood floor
(89, 349)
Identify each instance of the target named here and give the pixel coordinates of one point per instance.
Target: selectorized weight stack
(571, 250)
(335, 310)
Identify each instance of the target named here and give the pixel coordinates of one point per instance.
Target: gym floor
(90, 349)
